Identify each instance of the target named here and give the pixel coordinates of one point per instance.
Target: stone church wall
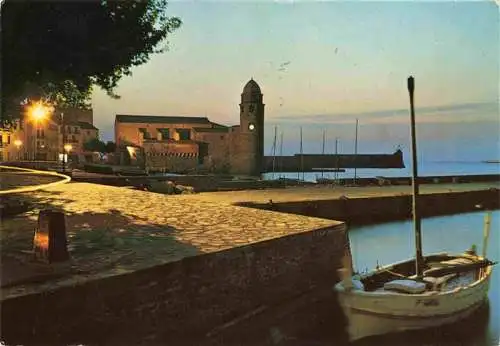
(242, 157)
(217, 158)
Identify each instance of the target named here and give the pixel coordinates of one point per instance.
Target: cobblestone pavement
(11, 180)
(113, 230)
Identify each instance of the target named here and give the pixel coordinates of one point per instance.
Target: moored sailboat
(423, 292)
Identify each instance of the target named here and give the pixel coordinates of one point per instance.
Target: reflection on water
(473, 331)
(393, 242)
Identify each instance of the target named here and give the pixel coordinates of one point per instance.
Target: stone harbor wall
(387, 208)
(182, 300)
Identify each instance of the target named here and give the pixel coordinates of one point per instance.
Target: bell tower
(251, 148)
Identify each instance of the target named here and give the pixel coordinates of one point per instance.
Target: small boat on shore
(328, 181)
(423, 292)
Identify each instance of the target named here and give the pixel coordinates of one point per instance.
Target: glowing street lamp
(18, 144)
(67, 149)
(38, 111)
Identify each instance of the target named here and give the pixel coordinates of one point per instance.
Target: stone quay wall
(182, 300)
(388, 208)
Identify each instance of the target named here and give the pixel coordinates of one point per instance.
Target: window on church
(145, 132)
(165, 134)
(184, 134)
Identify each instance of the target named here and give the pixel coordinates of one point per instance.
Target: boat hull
(377, 313)
(362, 324)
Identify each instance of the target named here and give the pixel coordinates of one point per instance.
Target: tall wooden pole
(486, 232)
(274, 149)
(281, 153)
(356, 152)
(336, 159)
(36, 142)
(323, 150)
(419, 260)
(301, 155)
(64, 157)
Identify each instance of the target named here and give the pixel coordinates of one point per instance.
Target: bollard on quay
(50, 243)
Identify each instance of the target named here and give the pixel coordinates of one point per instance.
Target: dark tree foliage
(110, 147)
(95, 145)
(57, 50)
(99, 146)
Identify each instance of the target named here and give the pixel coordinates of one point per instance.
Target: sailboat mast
(336, 159)
(356, 152)
(301, 155)
(281, 153)
(323, 151)
(300, 151)
(274, 150)
(416, 217)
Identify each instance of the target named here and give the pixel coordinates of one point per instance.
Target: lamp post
(67, 149)
(18, 144)
(38, 112)
(63, 128)
(35, 140)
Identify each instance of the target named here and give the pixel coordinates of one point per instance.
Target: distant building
(176, 143)
(77, 134)
(26, 140)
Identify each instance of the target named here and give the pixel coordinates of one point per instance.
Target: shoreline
(213, 183)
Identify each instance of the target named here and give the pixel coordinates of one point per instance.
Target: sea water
(431, 168)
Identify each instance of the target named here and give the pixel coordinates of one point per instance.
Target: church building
(182, 144)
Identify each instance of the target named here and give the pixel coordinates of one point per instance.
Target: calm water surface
(425, 169)
(393, 242)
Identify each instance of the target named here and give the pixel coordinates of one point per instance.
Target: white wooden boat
(391, 299)
(423, 292)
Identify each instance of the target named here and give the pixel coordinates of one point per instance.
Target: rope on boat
(396, 274)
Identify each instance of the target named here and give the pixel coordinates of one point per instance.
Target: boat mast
(300, 151)
(323, 151)
(336, 159)
(274, 150)
(486, 232)
(356, 152)
(301, 155)
(419, 260)
(281, 153)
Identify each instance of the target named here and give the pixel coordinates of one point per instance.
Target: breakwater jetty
(316, 162)
(383, 208)
(148, 268)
